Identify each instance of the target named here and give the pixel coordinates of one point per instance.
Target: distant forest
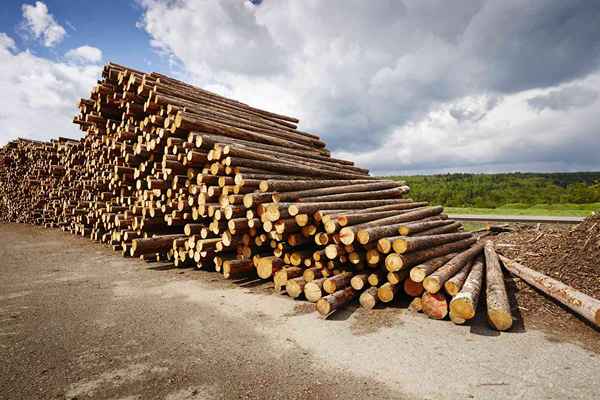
(510, 190)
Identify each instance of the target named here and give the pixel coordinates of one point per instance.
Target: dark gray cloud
(370, 77)
(564, 99)
(534, 44)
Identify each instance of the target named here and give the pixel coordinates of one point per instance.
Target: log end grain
(435, 305)
(432, 284)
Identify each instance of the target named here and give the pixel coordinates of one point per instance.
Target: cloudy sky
(401, 87)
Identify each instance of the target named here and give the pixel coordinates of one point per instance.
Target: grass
(553, 210)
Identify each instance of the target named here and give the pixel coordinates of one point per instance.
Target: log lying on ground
(434, 305)
(332, 302)
(464, 304)
(434, 282)
(498, 307)
(582, 304)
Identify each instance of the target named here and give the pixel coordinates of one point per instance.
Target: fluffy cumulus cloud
(84, 54)
(405, 86)
(39, 96)
(38, 22)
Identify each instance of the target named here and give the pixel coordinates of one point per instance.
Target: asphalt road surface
(79, 322)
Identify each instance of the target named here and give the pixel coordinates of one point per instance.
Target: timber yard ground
(79, 322)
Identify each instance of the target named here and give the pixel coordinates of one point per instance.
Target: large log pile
(170, 172)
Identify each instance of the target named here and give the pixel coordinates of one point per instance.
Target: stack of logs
(170, 172)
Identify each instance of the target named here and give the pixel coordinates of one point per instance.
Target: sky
(400, 87)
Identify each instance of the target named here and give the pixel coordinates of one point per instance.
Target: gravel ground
(79, 322)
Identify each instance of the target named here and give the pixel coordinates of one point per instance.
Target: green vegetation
(556, 194)
(554, 210)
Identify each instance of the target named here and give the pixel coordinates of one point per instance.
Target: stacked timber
(170, 172)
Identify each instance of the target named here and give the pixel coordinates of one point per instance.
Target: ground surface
(78, 321)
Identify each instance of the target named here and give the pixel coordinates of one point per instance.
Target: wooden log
(282, 276)
(152, 245)
(498, 307)
(417, 227)
(395, 262)
(420, 271)
(412, 288)
(237, 268)
(267, 266)
(435, 281)
(295, 287)
(386, 292)
(407, 244)
(368, 299)
(416, 305)
(582, 304)
(359, 281)
(309, 208)
(453, 285)
(383, 227)
(464, 304)
(337, 282)
(332, 302)
(434, 305)
(313, 290)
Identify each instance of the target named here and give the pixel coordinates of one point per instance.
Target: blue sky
(103, 24)
(399, 86)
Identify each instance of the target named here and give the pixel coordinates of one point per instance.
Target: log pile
(170, 172)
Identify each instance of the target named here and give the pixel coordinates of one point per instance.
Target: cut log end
(435, 305)
(368, 298)
(463, 307)
(432, 284)
(346, 236)
(500, 319)
(323, 307)
(417, 274)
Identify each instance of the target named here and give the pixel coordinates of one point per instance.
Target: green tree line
(497, 190)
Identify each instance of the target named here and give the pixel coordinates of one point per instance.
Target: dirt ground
(569, 253)
(79, 322)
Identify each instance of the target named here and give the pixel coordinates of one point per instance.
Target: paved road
(77, 321)
(516, 218)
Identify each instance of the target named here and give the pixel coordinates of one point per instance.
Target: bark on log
(464, 304)
(453, 285)
(498, 307)
(582, 304)
(435, 281)
(332, 302)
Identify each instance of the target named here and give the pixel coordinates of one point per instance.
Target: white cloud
(42, 24)
(6, 42)
(39, 96)
(372, 77)
(84, 54)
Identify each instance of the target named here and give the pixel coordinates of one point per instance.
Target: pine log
(464, 304)
(498, 307)
(435, 281)
(368, 299)
(395, 262)
(419, 272)
(295, 287)
(434, 305)
(453, 285)
(582, 304)
(337, 282)
(332, 302)
(407, 244)
(313, 290)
